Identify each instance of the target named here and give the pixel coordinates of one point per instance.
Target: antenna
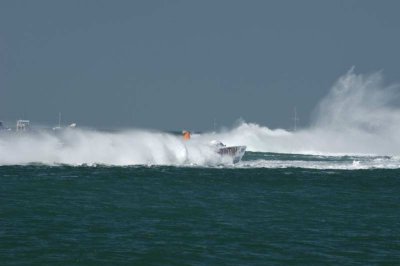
(215, 124)
(295, 119)
(59, 119)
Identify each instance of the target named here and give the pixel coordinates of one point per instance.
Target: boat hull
(236, 152)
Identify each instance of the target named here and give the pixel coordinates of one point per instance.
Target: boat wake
(359, 116)
(89, 147)
(282, 161)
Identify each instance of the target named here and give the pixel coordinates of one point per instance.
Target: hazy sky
(182, 64)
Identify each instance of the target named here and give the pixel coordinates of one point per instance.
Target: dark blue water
(162, 215)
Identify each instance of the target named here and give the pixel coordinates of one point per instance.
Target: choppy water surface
(270, 209)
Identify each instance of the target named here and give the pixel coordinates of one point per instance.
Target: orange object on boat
(186, 135)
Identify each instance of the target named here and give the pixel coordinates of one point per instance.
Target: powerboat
(235, 152)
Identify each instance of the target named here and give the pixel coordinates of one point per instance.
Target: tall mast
(59, 119)
(295, 119)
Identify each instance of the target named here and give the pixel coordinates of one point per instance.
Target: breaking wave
(358, 116)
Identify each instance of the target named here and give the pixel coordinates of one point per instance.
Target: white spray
(77, 147)
(358, 116)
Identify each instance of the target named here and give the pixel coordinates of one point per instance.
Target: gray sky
(182, 64)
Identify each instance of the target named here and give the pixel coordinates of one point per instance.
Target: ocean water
(270, 209)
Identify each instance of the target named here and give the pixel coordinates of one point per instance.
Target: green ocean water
(169, 215)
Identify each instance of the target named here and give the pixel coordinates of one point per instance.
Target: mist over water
(358, 116)
(77, 147)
